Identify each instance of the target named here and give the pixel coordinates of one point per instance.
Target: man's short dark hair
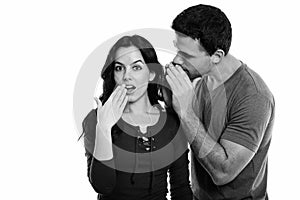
(206, 23)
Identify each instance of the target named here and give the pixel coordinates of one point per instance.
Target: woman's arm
(97, 132)
(102, 175)
(179, 169)
(179, 178)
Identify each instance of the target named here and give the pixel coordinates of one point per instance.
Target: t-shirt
(140, 166)
(241, 111)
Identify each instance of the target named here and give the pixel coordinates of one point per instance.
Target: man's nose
(178, 59)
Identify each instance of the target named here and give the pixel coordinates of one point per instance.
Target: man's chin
(188, 74)
(195, 77)
(191, 77)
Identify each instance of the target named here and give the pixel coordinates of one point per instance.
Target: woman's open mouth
(130, 89)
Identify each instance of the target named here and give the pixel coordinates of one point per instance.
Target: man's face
(192, 57)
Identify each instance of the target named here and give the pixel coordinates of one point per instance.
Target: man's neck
(222, 71)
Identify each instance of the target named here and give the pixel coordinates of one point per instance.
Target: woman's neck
(141, 106)
(141, 113)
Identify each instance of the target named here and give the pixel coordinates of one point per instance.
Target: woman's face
(130, 69)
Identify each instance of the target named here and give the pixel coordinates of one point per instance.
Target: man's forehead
(187, 43)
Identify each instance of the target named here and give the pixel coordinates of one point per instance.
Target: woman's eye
(118, 68)
(136, 67)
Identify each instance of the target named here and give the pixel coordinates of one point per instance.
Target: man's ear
(217, 56)
(152, 76)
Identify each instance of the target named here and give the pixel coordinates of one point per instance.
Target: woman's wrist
(103, 143)
(103, 128)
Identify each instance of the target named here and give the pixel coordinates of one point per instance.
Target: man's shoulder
(246, 82)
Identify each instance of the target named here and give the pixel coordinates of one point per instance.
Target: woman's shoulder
(89, 130)
(172, 115)
(91, 117)
(169, 119)
(89, 122)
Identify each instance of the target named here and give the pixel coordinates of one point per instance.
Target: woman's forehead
(128, 55)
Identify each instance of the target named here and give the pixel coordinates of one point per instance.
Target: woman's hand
(111, 111)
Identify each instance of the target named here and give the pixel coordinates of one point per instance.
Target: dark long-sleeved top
(140, 161)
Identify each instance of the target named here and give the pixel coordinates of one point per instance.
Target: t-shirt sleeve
(248, 121)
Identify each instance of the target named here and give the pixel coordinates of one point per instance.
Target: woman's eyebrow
(137, 62)
(117, 62)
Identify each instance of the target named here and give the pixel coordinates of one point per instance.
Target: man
(227, 116)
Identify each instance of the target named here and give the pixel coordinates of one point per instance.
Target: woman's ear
(152, 76)
(217, 56)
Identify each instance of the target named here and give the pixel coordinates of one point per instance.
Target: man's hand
(182, 89)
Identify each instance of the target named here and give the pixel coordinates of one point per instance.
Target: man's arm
(224, 160)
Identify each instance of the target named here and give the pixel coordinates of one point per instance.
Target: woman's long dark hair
(155, 87)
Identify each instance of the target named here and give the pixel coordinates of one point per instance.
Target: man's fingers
(171, 83)
(174, 70)
(185, 76)
(182, 79)
(171, 75)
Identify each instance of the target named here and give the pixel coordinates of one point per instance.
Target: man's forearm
(209, 152)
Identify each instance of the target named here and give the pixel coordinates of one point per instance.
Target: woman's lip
(130, 91)
(128, 87)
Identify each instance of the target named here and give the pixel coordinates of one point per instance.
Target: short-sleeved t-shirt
(241, 111)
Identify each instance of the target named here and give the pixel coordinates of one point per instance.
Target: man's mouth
(184, 69)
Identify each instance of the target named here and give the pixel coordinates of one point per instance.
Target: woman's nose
(127, 74)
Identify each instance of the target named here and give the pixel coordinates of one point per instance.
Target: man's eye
(184, 54)
(136, 67)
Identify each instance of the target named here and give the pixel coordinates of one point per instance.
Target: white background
(43, 44)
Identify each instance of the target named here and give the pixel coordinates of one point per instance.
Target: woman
(131, 141)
